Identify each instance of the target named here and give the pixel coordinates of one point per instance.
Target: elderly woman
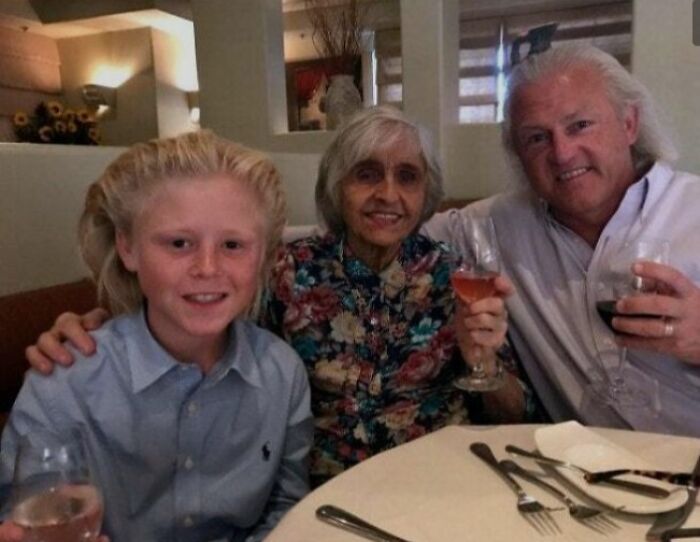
(368, 307)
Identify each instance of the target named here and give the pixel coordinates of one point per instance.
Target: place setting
(602, 485)
(574, 484)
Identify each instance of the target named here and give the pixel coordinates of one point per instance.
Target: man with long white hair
(583, 133)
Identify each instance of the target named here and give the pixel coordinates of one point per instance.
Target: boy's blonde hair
(114, 199)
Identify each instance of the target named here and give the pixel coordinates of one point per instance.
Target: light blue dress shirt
(180, 456)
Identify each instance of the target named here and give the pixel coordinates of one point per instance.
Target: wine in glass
(618, 389)
(475, 280)
(53, 496)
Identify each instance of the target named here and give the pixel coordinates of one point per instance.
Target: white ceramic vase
(342, 100)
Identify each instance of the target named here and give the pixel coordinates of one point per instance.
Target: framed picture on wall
(307, 83)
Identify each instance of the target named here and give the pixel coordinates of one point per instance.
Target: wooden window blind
(607, 26)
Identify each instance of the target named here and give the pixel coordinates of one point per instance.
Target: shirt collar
(240, 355)
(357, 269)
(656, 183)
(149, 361)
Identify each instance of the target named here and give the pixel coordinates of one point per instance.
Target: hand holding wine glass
(475, 280)
(53, 496)
(623, 283)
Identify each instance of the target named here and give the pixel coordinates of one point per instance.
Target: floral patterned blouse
(380, 349)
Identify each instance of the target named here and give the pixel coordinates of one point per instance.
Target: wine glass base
(478, 383)
(617, 392)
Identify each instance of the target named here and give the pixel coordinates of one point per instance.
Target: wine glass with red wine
(619, 387)
(53, 496)
(475, 280)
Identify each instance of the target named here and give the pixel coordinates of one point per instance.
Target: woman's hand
(481, 328)
(70, 327)
(11, 532)
(481, 325)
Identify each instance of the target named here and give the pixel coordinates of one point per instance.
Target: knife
(668, 521)
(678, 478)
(350, 522)
(628, 485)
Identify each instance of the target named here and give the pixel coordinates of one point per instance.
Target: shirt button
(192, 407)
(189, 463)
(188, 521)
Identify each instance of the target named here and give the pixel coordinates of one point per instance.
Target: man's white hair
(653, 142)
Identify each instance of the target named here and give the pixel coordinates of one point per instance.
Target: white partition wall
(42, 188)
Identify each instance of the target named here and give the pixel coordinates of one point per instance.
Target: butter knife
(350, 522)
(678, 478)
(628, 485)
(668, 521)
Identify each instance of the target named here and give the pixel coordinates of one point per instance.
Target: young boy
(197, 422)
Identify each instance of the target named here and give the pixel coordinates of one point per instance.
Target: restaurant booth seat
(23, 316)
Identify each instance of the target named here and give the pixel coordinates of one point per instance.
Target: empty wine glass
(53, 496)
(475, 280)
(622, 386)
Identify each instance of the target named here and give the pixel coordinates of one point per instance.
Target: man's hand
(676, 331)
(71, 327)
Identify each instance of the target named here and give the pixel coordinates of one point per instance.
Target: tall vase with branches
(337, 37)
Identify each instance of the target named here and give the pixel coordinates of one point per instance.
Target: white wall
(299, 175)
(173, 60)
(121, 60)
(241, 93)
(42, 188)
(665, 59)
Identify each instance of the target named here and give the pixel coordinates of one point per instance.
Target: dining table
(433, 489)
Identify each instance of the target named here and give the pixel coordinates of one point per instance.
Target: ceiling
(25, 15)
(166, 15)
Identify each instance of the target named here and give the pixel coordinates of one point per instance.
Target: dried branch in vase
(337, 32)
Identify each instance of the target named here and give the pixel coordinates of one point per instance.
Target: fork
(593, 518)
(533, 511)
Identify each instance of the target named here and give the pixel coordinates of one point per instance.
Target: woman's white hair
(653, 142)
(368, 131)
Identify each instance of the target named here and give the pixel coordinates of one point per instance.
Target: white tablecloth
(434, 490)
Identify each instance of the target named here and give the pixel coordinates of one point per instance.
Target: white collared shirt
(554, 325)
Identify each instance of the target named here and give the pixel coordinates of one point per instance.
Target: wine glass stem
(479, 369)
(617, 382)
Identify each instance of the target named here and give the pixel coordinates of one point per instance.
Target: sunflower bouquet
(53, 123)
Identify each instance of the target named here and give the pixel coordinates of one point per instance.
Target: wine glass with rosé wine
(474, 280)
(53, 496)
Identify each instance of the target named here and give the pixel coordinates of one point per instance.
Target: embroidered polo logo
(266, 451)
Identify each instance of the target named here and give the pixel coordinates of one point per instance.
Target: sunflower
(46, 134)
(20, 119)
(69, 115)
(71, 126)
(83, 116)
(55, 109)
(60, 127)
(94, 135)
